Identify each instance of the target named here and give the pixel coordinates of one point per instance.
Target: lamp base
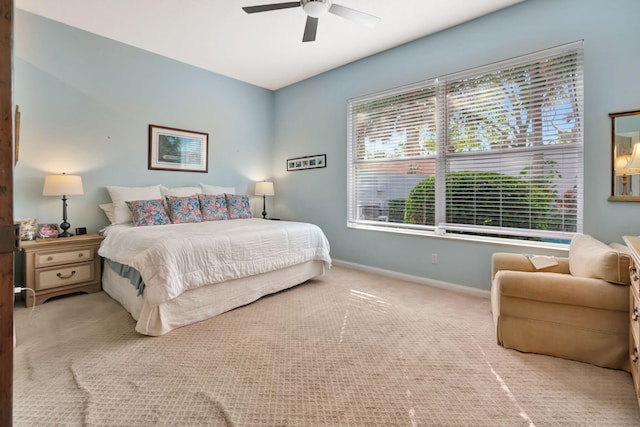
(64, 227)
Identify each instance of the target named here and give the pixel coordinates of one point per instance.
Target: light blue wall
(86, 103)
(311, 118)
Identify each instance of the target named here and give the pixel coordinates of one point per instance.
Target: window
(494, 151)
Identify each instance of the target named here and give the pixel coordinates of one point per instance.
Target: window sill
(465, 237)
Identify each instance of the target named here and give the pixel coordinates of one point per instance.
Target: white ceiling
(264, 49)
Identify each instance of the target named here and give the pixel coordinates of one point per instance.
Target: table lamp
(63, 185)
(264, 189)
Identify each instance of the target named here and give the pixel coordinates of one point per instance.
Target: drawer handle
(66, 277)
(634, 356)
(80, 255)
(49, 258)
(634, 273)
(635, 314)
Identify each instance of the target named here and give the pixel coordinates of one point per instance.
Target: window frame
(441, 228)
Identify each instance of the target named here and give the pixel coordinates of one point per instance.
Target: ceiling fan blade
(354, 15)
(310, 29)
(268, 7)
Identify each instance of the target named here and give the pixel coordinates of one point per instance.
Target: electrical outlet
(434, 258)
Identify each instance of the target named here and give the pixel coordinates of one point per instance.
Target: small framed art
(307, 162)
(178, 150)
(47, 231)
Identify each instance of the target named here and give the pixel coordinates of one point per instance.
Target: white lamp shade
(264, 189)
(634, 161)
(63, 185)
(621, 165)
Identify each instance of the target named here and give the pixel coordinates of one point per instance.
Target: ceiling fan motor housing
(316, 8)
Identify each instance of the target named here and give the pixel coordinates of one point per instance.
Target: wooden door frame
(6, 211)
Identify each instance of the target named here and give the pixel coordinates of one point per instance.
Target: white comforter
(175, 258)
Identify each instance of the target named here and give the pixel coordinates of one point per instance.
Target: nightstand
(61, 266)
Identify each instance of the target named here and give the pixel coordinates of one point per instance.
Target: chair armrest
(520, 262)
(558, 288)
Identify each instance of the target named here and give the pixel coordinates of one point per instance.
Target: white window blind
(493, 151)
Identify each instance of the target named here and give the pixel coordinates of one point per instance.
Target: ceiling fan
(314, 10)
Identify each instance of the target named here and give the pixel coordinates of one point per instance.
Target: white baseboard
(410, 278)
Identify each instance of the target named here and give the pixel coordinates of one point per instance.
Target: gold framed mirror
(625, 156)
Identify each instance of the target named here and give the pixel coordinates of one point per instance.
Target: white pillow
(589, 257)
(109, 211)
(120, 195)
(179, 191)
(215, 189)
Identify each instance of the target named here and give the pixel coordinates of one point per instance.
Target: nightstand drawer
(55, 258)
(54, 278)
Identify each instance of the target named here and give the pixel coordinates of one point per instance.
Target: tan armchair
(577, 309)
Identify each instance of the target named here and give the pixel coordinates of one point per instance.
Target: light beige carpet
(347, 349)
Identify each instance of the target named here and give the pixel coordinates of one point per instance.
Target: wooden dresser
(633, 243)
(61, 266)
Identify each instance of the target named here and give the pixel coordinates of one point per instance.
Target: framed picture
(178, 150)
(47, 231)
(307, 162)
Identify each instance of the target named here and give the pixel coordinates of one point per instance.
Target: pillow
(214, 189)
(179, 191)
(184, 209)
(148, 212)
(109, 211)
(589, 257)
(120, 195)
(213, 207)
(238, 206)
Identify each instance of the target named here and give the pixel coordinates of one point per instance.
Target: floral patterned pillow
(238, 206)
(148, 212)
(184, 209)
(213, 207)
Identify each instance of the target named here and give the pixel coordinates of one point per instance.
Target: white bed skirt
(205, 302)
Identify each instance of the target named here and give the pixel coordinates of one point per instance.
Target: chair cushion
(589, 257)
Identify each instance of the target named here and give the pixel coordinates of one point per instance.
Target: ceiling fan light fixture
(316, 8)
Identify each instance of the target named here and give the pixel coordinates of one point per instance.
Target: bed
(173, 275)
